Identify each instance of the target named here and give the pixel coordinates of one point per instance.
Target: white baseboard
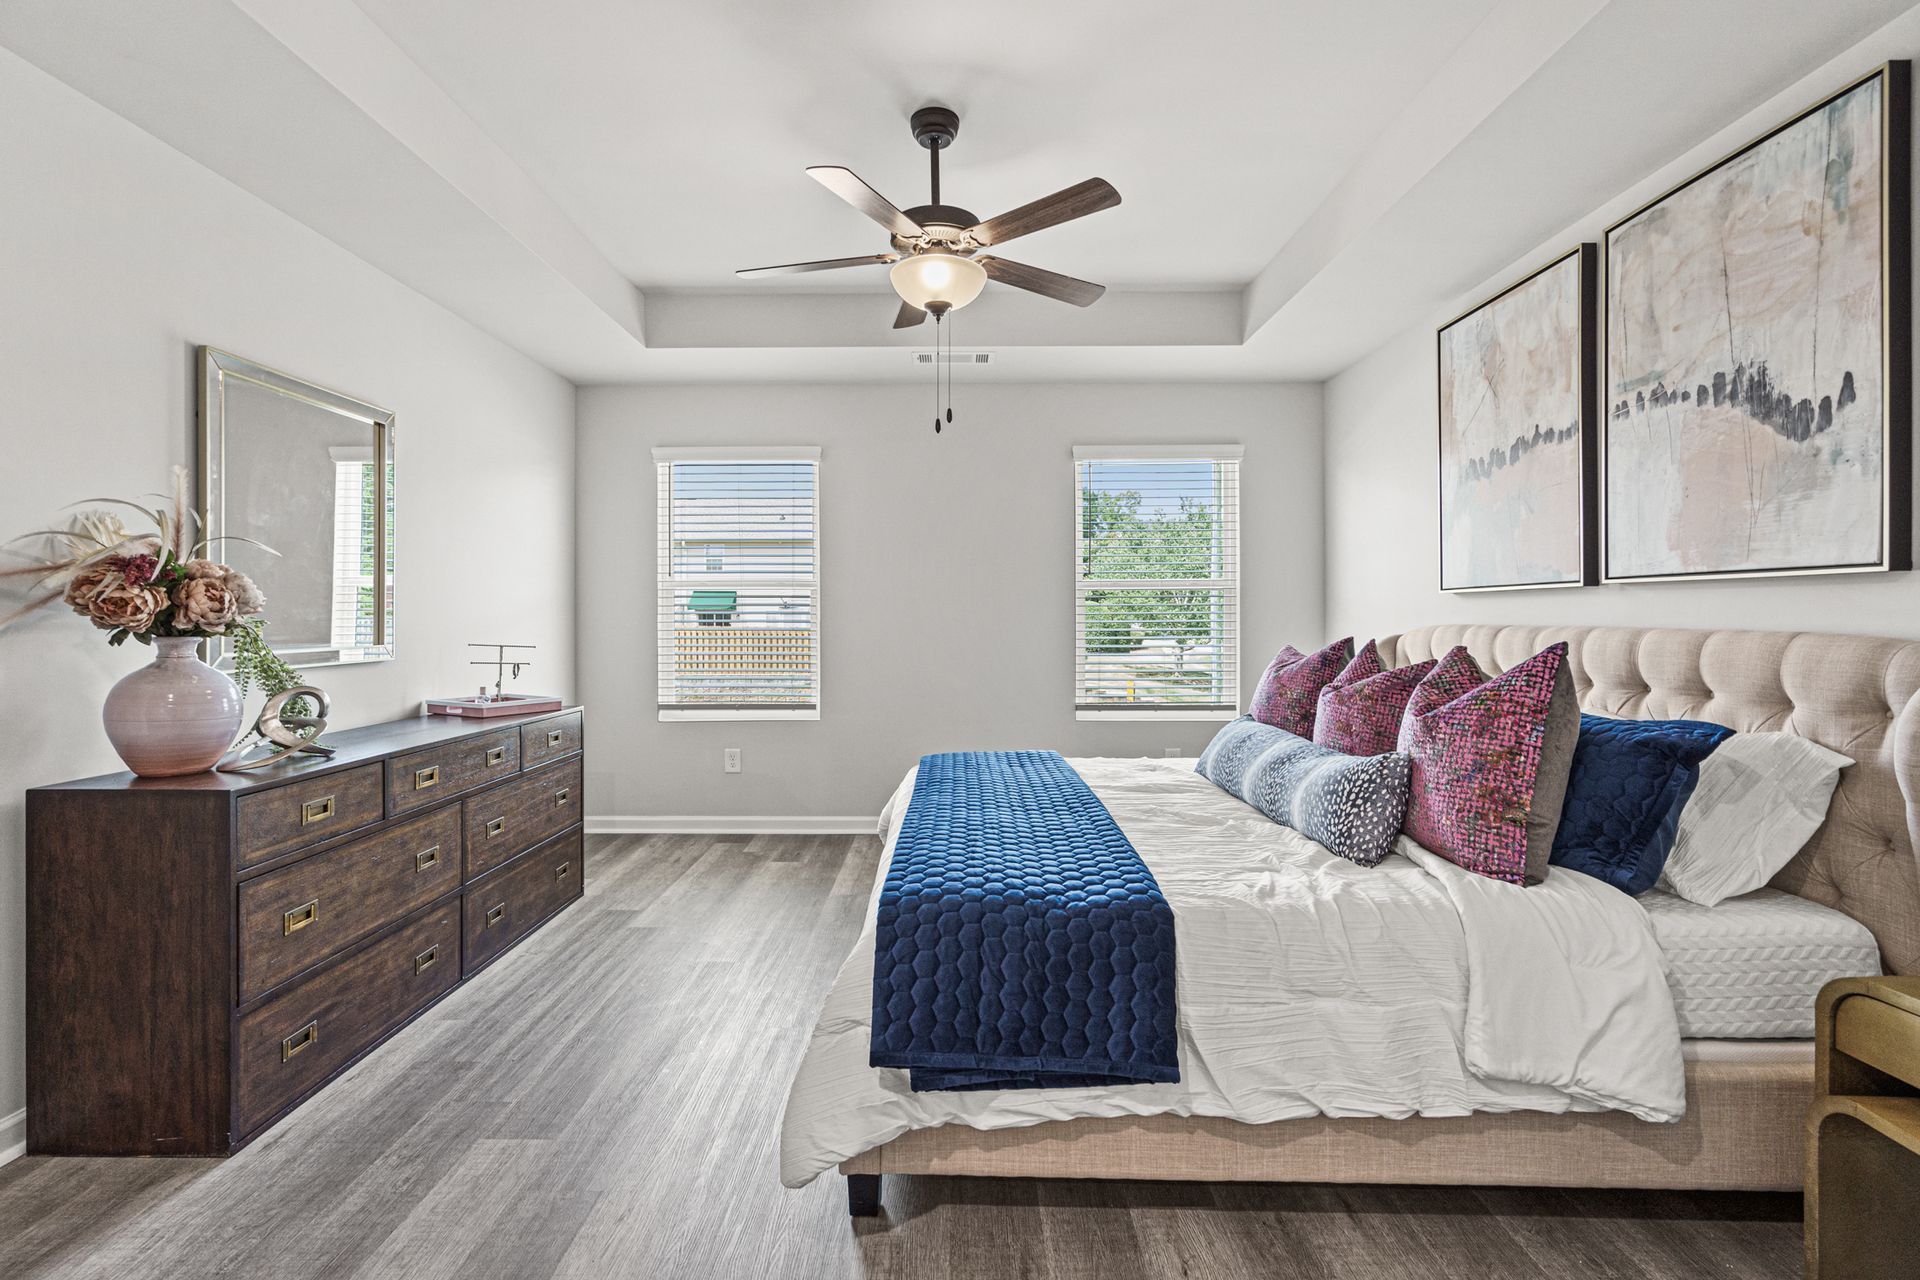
(13, 1136)
(720, 824)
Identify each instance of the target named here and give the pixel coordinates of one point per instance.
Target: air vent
(954, 357)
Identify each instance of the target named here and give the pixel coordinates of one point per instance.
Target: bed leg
(863, 1195)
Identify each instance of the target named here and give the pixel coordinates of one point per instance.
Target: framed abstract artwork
(1517, 407)
(1758, 357)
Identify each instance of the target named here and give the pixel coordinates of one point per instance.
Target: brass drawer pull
(300, 917)
(561, 796)
(426, 858)
(426, 959)
(316, 810)
(496, 914)
(560, 872)
(496, 754)
(304, 1038)
(496, 827)
(555, 736)
(424, 778)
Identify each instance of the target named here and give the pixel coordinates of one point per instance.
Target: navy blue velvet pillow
(1630, 780)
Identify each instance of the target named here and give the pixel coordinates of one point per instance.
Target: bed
(1559, 1112)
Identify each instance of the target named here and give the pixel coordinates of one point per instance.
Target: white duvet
(1309, 986)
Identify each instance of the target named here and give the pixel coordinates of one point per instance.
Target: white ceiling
(674, 134)
(1302, 179)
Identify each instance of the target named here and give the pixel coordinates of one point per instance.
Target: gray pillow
(1561, 733)
(1350, 805)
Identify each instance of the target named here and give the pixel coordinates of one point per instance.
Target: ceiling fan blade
(1076, 201)
(1048, 284)
(824, 264)
(846, 184)
(909, 316)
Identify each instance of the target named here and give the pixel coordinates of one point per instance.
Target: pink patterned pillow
(1365, 663)
(1476, 759)
(1288, 692)
(1454, 674)
(1362, 717)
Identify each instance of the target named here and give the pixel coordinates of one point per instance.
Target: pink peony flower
(90, 581)
(120, 604)
(204, 604)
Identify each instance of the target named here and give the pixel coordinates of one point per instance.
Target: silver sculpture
(285, 734)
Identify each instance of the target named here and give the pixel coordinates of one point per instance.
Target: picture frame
(1773, 476)
(1517, 495)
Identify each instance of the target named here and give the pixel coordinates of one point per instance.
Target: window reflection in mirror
(310, 473)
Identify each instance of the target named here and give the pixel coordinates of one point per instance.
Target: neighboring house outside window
(739, 584)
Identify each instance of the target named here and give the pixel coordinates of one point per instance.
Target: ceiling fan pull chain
(936, 374)
(949, 377)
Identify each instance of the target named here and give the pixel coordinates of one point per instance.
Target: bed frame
(1743, 1127)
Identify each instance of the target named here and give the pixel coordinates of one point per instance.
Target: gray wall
(947, 577)
(119, 255)
(1383, 517)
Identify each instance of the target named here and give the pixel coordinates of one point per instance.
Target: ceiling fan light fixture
(937, 281)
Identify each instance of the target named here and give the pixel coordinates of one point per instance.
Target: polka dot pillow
(1351, 806)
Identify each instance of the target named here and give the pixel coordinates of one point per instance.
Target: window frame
(1228, 583)
(664, 457)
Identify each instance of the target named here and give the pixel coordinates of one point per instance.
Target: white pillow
(1761, 797)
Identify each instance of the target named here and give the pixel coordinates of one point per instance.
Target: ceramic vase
(176, 715)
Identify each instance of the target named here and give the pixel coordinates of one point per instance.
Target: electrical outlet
(733, 759)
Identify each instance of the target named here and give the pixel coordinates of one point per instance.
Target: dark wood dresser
(205, 953)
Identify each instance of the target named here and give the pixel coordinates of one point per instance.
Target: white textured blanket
(1310, 986)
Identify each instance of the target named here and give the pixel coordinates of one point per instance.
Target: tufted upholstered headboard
(1855, 694)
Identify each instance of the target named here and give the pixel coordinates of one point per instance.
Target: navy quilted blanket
(1021, 943)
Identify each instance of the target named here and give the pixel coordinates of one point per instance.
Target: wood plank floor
(606, 1100)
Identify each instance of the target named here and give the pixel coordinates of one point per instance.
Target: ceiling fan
(936, 264)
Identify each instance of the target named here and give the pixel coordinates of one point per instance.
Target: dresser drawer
(550, 739)
(513, 818)
(505, 907)
(431, 775)
(306, 812)
(292, 1044)
(296, 917)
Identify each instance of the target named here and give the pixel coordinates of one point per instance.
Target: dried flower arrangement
(142, 585)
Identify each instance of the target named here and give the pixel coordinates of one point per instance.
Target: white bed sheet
(1753, 966)
(1309, 986)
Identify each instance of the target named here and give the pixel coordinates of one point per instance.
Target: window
(1157, 582)
(354, 507)
(739, 584)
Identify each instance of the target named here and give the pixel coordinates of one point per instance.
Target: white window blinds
(739, 583)
(1157, 581)
(355, 506)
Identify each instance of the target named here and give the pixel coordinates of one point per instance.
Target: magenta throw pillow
(1475, 762)
(1362, 717)
(1290, 690)
(1454, 674)
(1366, 662)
